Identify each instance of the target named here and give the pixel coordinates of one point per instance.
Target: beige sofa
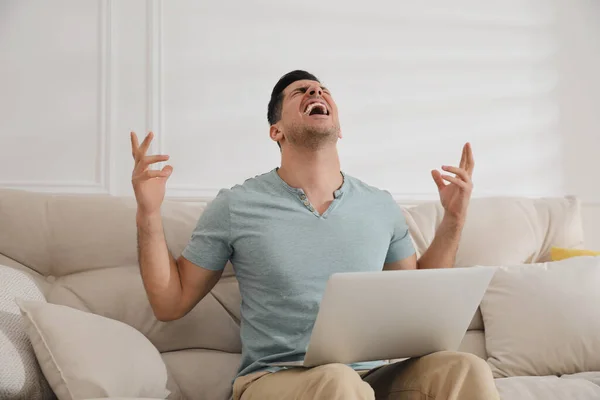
(81, 252)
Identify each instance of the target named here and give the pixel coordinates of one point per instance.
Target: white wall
(413, 81)
(578, 37)
(53, 125)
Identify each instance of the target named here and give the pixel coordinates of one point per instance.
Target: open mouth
(316, 108)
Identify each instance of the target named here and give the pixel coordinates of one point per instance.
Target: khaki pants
(440, 376)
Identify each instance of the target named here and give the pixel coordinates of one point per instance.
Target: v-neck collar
(301, 195)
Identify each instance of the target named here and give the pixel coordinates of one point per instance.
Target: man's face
(309, 116)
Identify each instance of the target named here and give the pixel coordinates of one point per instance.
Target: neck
(317, 172)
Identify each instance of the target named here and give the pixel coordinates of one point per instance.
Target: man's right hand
(174, 287)
(148, 185)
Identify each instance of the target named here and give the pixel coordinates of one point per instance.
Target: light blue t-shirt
(283, 252)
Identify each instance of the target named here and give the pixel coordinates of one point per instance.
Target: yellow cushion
(559, 253)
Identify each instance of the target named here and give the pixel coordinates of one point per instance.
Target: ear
(275, 134)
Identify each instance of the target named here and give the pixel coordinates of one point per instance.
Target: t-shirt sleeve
(401, 245)
(210, 244)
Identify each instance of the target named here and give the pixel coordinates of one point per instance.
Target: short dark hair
(274, 109)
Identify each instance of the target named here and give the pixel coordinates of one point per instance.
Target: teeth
(313, 105)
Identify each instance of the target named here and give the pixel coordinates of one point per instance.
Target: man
(286, 232)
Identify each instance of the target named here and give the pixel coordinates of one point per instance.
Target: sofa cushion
(203, 374)
(546, 388)
(504, 230)
(544, 319)
(477, 321)
(63, 234)
(25, 231)
(593, 376)
(474, 342)
(209, 325)
(20, 373)
(84, 355)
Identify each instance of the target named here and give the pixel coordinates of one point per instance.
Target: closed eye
(299, 90)
(305, 88)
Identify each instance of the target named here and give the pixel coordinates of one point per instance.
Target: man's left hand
(455, 195)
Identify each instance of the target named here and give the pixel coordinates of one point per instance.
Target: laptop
(372, 316)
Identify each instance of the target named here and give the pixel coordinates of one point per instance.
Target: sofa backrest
(504, 230)
(83, 251)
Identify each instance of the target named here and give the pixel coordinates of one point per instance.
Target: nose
(315, 91)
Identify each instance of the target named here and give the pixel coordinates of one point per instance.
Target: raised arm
(455, 197)
(173, 287)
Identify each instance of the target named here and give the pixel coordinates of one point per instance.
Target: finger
(470, 160)
(152, 173)
(148, 160)
(145, 145)
(134, 145)
(461, 173)
(167, 170)
(456, 181)
(437, 178)
(463, 157)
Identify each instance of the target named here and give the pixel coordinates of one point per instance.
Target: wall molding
(101, 183)
(105, 91)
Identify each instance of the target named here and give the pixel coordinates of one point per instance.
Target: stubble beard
(312, 138)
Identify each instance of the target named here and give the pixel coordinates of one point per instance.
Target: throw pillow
(559, 253)
(84, 355)
(544, 319)
(20, 373)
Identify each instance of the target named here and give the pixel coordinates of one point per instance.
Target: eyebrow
(305, 88)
